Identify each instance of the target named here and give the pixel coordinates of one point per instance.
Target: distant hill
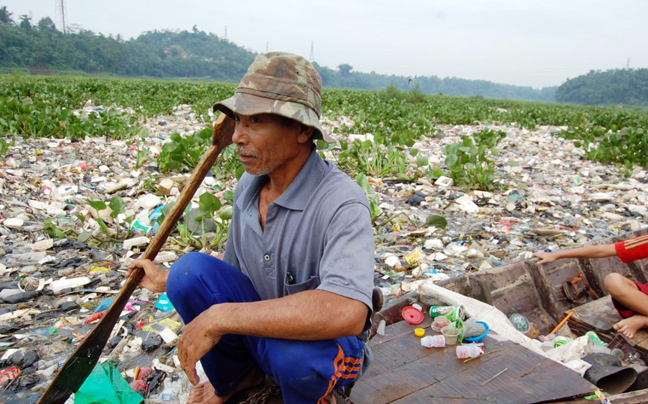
(626, 87)
(42, 49)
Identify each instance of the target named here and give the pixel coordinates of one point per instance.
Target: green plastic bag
(106, 385)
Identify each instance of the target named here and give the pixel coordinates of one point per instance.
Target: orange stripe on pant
(345, 368)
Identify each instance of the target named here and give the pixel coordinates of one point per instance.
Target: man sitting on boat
(293, 292)
(629, 297)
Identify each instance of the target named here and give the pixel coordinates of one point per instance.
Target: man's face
(266, 142)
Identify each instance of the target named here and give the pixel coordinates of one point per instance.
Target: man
(629, 297)
(293, 291)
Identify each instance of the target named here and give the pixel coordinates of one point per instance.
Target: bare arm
(308, 315)
(592, 251)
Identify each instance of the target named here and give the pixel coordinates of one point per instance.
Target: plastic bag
(106, 385)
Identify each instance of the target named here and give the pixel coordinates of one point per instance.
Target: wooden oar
(79, 366)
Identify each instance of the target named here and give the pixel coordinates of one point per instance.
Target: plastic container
(381, 327)
(439, 323)
(560, 341)
(469, 351)
(453, 313)
(450, 334)
(412, 315)
(478, 337)
(433, 341)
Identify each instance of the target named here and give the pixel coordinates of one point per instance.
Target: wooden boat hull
(523, 287)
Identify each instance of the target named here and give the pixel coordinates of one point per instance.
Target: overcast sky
(521, 42)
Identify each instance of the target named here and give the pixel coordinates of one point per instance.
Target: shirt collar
(300, 190)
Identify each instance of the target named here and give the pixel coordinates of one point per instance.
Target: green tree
(345, 69)
(5, 16)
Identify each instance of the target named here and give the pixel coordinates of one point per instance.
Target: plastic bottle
(168, 390)
(433, 341)
(594, 344)
(469, 351)
(560, 341)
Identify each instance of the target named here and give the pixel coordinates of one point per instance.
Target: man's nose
(239, 134)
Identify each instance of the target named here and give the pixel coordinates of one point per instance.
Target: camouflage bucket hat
(283, 84)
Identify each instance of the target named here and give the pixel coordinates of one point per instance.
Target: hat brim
(250, 104)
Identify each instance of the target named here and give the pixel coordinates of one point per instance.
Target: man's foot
(629, 326)
(204, 393)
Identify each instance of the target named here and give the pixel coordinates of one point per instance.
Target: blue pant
(307, 371)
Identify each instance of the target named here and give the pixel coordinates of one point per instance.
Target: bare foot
(204, 393)
(629, 326)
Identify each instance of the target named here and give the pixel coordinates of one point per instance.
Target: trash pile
(57, 276)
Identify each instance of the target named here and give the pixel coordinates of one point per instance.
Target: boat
(511, 370)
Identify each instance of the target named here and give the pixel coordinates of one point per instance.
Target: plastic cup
(451, 334)
(439, 323)
(433, 341)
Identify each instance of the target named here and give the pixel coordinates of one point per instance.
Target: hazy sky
(521, 42)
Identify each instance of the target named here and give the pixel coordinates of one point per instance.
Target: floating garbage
(57, 267)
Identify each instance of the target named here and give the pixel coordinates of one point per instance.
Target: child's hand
(544, 258)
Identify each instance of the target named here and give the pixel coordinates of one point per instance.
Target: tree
(46, 24)
(5, 16)
(345, 69)
(25, 22)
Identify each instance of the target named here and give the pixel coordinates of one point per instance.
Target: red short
(624, 311)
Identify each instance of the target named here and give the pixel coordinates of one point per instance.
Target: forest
(41, 48)
(620, 87)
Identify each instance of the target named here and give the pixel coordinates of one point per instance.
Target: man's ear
(305, 133)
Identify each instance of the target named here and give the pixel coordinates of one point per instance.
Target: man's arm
(592, 251)
(309, 315)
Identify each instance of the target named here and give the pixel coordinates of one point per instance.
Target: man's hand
(155, 276)
(198, 337)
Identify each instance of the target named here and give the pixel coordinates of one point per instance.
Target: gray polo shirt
(318, 235)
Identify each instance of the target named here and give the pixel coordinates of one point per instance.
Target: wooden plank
(404, 372)
(600, 316)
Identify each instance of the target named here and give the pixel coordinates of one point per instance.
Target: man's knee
(298, 359)
(185, 272)
(304, 362)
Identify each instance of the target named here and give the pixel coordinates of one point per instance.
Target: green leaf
(436, 221)
(117, 206)
(451, 160)
(102, 226)
(97, 205)
(208, 204)
(80, 217)
(363, 181)
(226, 214)
(228, 195)
(51, 229)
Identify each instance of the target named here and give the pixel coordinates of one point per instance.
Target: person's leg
(196, 282)
(309, 371)
(630, 298)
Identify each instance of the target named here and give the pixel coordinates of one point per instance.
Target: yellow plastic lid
(419, 332)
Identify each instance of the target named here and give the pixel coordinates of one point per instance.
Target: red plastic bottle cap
(412, 315)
